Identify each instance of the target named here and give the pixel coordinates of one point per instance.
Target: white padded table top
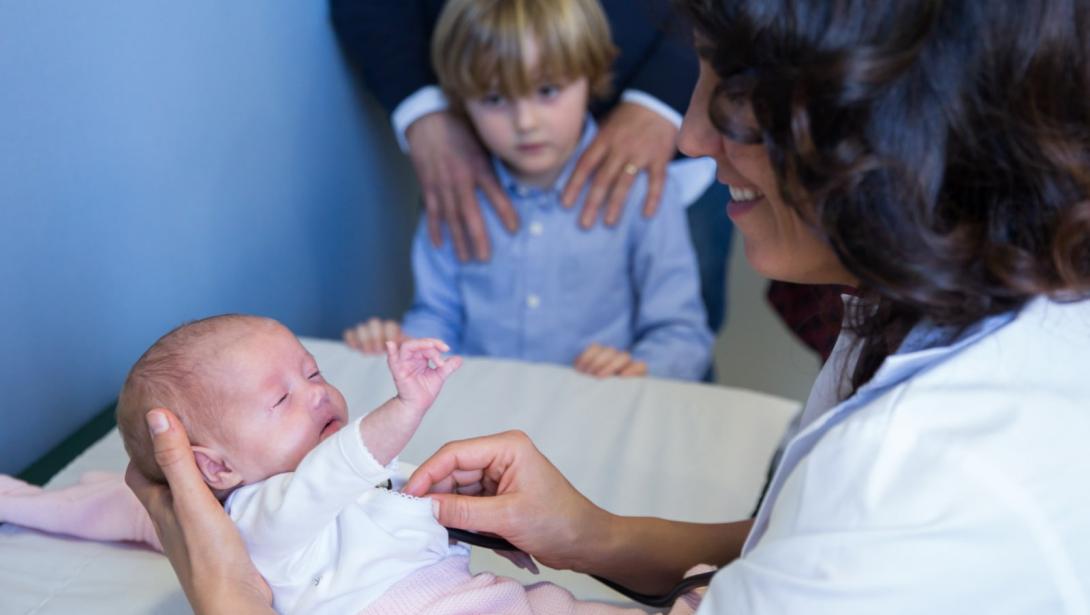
(637, 446)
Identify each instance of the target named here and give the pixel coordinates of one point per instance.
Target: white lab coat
(956, 481)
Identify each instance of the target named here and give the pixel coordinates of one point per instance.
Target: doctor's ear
(217, 472)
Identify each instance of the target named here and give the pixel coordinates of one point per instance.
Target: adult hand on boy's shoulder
(631, 139)
(604, 361)
(419, 370)
(451, 165)
(370, 336)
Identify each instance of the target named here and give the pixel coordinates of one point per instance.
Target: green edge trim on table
(39, 472)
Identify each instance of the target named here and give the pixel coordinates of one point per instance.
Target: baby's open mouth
(330, 428)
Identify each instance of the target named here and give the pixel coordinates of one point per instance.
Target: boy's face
(536, 134)
(280, 406)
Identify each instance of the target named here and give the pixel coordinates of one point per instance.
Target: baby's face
(279, 405)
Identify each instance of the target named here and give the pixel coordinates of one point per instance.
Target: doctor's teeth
(743, 194)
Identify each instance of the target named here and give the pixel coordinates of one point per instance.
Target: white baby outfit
(326, 538)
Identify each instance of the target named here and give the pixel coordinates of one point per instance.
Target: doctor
(934, 155)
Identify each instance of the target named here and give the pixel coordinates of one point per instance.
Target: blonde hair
(479, 46)
(175, 373)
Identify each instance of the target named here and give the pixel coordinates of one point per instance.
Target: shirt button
(536, 229)
(532, 301)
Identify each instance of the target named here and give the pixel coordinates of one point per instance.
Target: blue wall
(162, 161)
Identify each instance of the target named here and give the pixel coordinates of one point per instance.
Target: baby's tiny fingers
(449, 365)
(433, 355)
(426, 342)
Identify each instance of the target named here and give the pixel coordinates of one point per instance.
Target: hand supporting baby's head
(249, 395)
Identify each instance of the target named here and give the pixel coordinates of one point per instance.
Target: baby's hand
(418, 382)
(370, 336)
(603, 361)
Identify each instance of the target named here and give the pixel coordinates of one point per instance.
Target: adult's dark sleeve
(388, 40)
(656, 56)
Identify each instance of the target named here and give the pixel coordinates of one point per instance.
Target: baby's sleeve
(286, 512)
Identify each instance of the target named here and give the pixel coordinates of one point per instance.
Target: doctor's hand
(198, 537)
(632, 139)
(532, 505)
(604, 361)
(451, 165)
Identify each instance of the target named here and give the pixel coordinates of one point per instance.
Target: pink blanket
(447, 588)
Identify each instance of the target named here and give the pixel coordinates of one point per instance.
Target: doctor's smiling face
(779, 244)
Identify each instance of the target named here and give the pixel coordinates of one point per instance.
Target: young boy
(611, 301)
(309, 491)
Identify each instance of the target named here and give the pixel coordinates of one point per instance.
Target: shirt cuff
(646, 100)
(427, 99)
(350, 442)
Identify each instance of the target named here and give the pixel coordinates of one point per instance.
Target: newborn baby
(308, 490)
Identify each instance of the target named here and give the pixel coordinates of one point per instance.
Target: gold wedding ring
(631, 169)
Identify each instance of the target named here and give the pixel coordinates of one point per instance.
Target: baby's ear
(219, 475)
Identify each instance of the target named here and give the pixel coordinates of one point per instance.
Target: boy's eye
(548, 91)
(281, 400)
(492, 100)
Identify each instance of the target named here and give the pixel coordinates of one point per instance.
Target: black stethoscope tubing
(687, 584)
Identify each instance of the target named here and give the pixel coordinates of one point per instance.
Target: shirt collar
(929, 344)
(926, 346)
(513, 186)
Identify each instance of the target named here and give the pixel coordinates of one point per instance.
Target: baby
(273, 441)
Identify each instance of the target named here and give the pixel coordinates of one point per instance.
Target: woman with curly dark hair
(935, 156)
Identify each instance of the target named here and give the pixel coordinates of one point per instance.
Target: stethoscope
(498, 544)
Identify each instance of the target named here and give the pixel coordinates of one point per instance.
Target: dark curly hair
(942, 147)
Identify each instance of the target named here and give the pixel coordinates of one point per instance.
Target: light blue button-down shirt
(953, 482)
(553, 288)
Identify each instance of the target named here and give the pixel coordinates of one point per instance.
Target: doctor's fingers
(456, 481)
(490, 455)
